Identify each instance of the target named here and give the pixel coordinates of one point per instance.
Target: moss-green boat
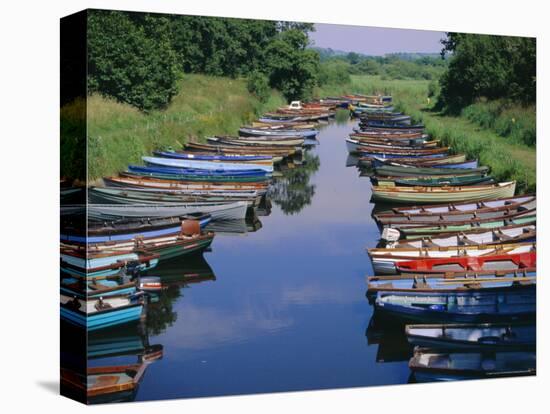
(447, 194)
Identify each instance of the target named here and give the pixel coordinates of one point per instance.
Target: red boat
(499, 262)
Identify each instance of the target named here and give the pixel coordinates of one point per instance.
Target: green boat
(415, 232)
(402, 171)
(435, 181)
(181, 247)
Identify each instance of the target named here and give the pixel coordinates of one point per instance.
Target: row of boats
(167, 210)
(455, 271)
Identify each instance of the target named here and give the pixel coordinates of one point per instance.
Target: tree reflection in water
(176, 274)
(293, 191)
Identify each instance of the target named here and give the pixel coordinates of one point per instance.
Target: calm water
(287, 308)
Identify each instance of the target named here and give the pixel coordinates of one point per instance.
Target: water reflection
(292, 191)
(391, 340)
(175, 275)
(113, 366)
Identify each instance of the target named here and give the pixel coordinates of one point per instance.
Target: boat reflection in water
(391, 340)
(174, 276)
(115, 362)
(249, 225)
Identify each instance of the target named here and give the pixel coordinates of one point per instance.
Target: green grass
(512, 121)
(509, 157)
(119, 134)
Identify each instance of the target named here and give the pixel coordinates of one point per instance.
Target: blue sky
(375, 40)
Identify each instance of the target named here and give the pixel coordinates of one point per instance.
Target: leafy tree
(334, 72)
(291, 67)
(132, 62)
(488, 66)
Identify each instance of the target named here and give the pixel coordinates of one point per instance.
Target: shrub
(258, 85)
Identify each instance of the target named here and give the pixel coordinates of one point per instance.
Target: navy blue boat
(506, 305)
(192, 171)
(382, 124)
(201, 157)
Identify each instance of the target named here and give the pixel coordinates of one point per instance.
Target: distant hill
(412, 55)
(327, 53)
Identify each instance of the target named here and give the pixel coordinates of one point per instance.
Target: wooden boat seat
(428, 243)
(500, 236)
(466, 241)
(472, 285)
(420, 284)
(105, 381)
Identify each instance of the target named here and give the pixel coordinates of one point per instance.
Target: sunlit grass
(119, 134)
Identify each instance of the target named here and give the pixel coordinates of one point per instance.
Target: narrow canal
(287, 309)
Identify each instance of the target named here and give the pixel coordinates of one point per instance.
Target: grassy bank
(119, 134)
(508, 156)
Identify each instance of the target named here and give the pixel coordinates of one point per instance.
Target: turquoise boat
(100, 313)
(106, 264)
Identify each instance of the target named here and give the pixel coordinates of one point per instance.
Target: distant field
(508, 157)
(119, 134)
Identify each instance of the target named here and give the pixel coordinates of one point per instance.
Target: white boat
(218, 210)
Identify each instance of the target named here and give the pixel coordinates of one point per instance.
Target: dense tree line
(138, 57)
(392, 66)
(488, 66)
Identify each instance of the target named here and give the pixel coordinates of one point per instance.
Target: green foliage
(512, 121)
(291, 67)
(394, 66)
(119, 134)
(131, 61)
(433, 88)
(137, 57)
(73, 139)
(334, 72)
(494, 67)
(221, 46)
(258, 84)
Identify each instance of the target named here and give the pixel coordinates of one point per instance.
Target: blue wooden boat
(100, 313)
(390, 125)
(272, 132)
(151, 170)
(202, 157)
(207, 165)
(511, 304)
